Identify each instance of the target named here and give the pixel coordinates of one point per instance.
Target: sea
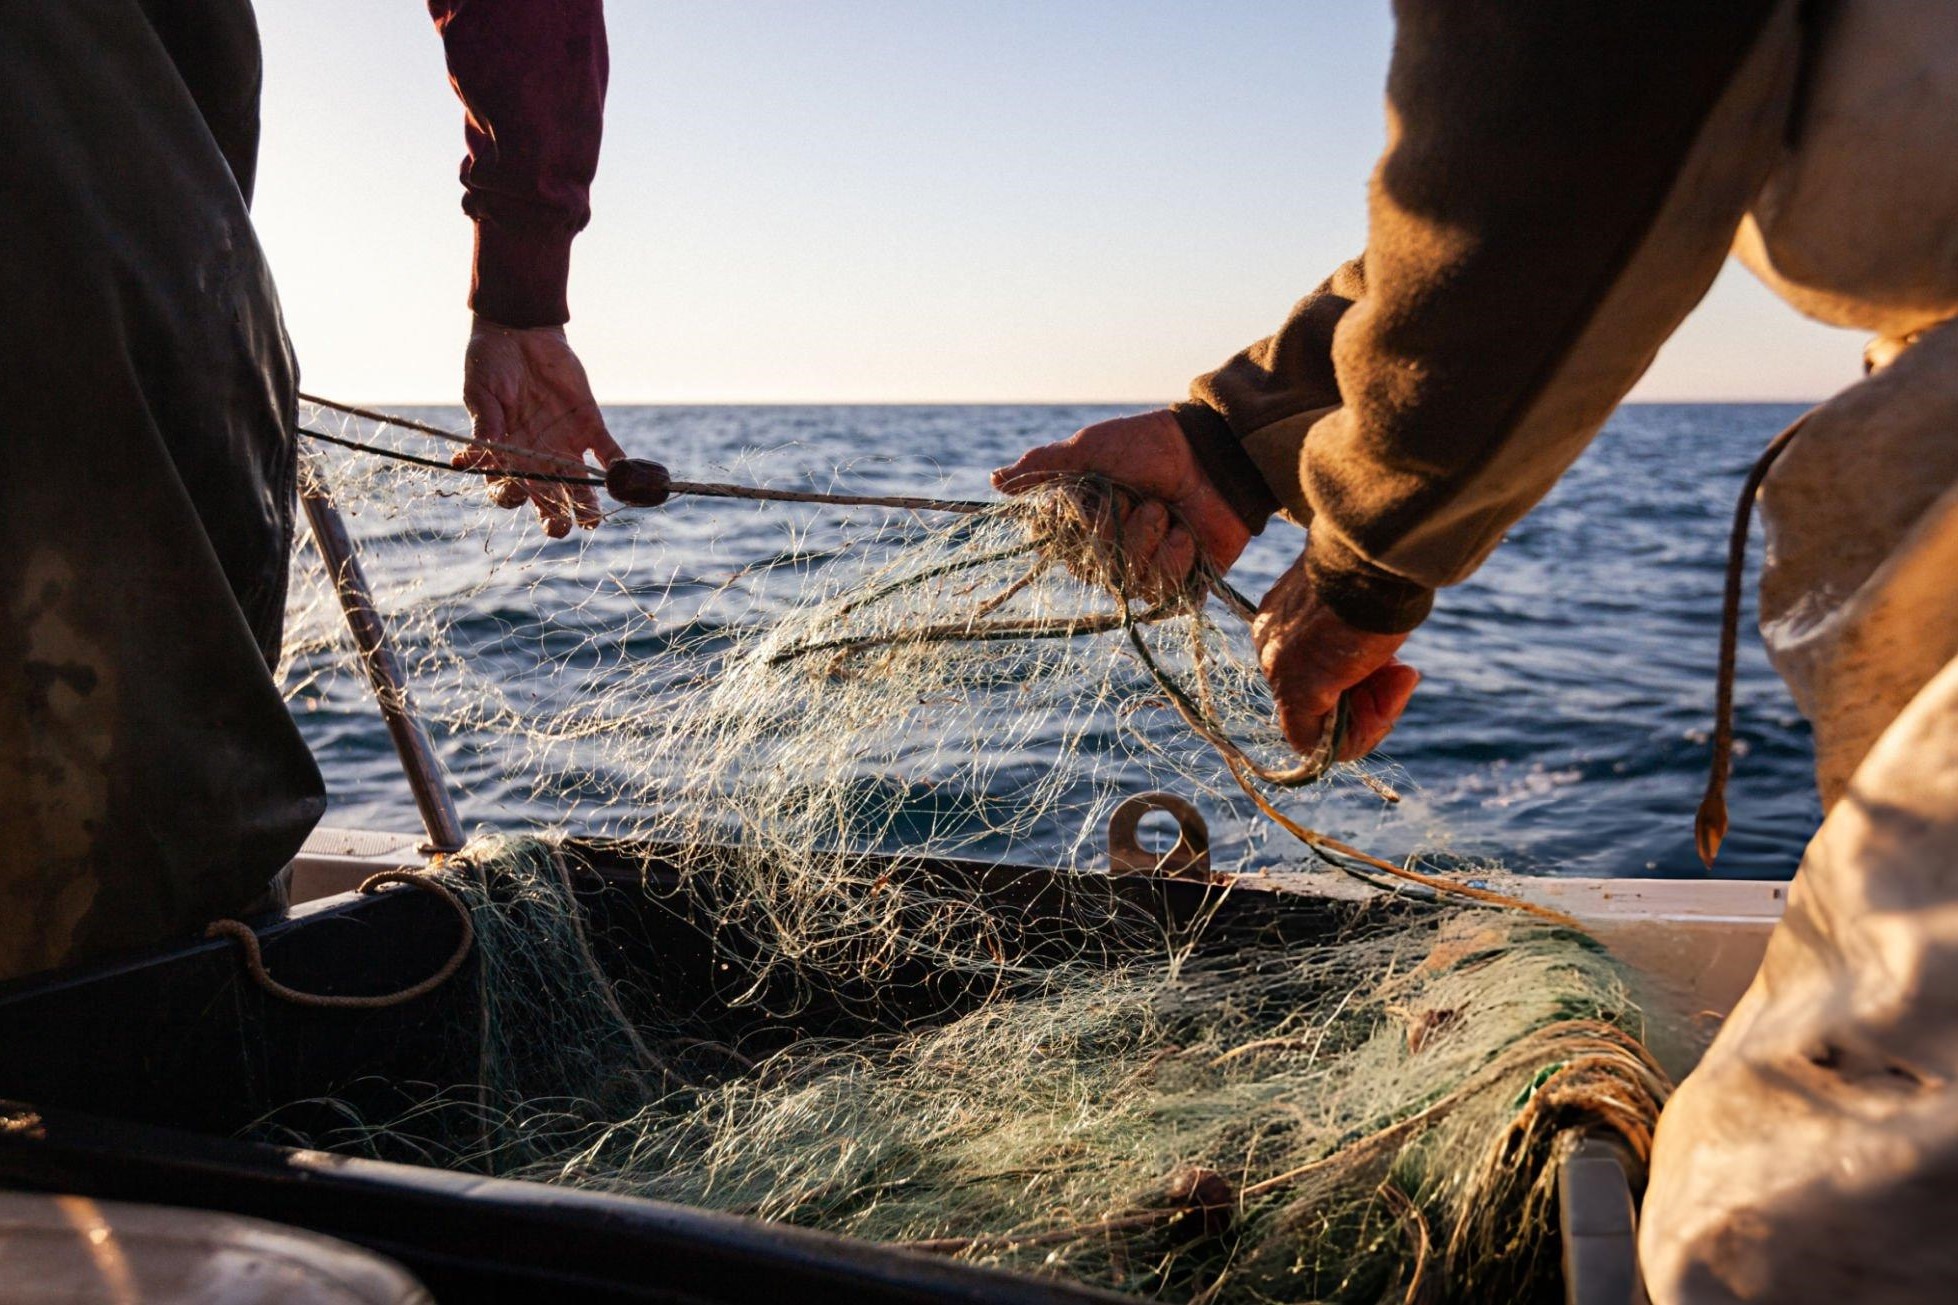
(1562, 723)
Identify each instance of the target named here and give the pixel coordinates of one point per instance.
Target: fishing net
(795, 739)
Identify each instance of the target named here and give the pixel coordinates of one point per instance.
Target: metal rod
(384, 674)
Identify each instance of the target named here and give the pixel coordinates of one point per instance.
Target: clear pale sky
(875, 200)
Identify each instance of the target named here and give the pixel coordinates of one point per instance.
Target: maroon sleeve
(531, 75)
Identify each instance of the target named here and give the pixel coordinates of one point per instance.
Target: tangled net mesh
(790, 743)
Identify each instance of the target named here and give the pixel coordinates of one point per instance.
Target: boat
(130, 1081)
(126, 1086)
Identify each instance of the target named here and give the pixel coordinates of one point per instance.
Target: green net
(790, 745)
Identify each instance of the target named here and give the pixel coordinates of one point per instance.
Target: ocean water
(1562, 723)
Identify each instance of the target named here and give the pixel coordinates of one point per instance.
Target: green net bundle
(1210, 1114)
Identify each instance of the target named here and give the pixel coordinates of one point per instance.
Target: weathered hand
(1183, 516)
(1311, 656)
(528, 390)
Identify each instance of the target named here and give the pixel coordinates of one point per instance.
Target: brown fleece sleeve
(1560, 186)
(1246, 420)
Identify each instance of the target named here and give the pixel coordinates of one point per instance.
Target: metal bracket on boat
(1598, 1219)
(1188, 859)
(384, 673)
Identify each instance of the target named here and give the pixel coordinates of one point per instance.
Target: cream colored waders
(1813, 1155)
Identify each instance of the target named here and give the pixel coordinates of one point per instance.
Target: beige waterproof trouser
(1813, 1155)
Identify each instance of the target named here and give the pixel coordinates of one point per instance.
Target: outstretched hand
(526, 389)
(1182, 516)
(1311, 656)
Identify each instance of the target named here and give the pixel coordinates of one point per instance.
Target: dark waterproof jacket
(151, 778)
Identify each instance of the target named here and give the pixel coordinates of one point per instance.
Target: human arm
(1217, 484)
(1560, 187)
(1548, 209)
(531, 75)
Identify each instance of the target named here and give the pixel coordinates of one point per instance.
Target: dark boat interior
(134, 1081)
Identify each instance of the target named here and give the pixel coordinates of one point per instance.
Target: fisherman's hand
(1311, 656)
(1181, 517)
(527, 390)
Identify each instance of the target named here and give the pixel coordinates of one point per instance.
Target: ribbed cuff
(1223, 459)
(520, 276)
(1361, 594)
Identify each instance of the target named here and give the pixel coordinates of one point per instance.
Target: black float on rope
(638, 482)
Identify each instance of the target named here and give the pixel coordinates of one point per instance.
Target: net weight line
(578, 473)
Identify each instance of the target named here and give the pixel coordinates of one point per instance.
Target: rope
(440, 433)
(1331, 850)
(1710, 822)
(695, 488)
(247, 941)
(1310, 771)
(1244, 769)
(486, 473)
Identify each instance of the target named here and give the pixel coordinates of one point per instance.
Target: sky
(885, 201)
